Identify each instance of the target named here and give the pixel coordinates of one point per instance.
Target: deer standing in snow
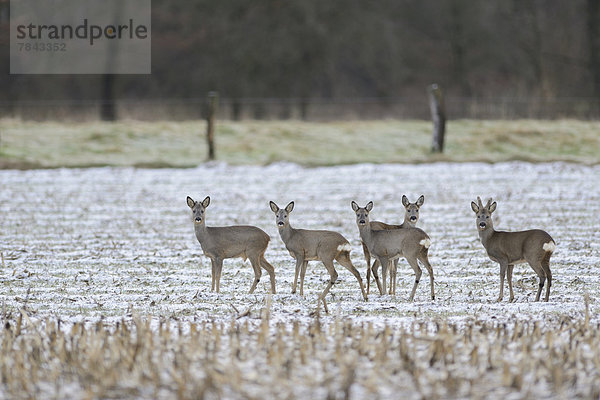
(509, 248)
(388, 245)
(219, 243)
(307, 245)
(411, 216)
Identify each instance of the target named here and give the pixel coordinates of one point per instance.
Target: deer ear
(355, 206)
(274, 207)
(190, 202)
(289, 207)
(206, 202)
(420, 200)
(369, 206)
(405, 201)
(492, 207)
(474, 207)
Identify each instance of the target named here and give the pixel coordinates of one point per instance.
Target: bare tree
(593, 32)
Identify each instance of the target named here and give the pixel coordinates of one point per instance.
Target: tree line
(346, 49)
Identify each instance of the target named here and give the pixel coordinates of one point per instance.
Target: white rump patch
(549, 247)
(425, 243)
(344, 247)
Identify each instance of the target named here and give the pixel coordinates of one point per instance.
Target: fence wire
(310, 109)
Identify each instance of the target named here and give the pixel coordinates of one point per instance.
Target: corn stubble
(255, 357)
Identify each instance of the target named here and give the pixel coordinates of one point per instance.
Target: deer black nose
(198, 219)
(280, 223)
(413, 218)
(482, 224)
(362, 221)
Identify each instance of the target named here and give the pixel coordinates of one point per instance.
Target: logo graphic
(80, 37)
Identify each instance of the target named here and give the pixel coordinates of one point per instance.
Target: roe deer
(309, 245)
(411, 216)
(509, 248)
(387, 245)
(219, 243)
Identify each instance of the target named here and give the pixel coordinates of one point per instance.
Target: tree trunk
(236, 109)
(458, 45)
(593, 32)
(304, 109)
(213, 100)
(259, 110)
(108, 111)
(108, 108)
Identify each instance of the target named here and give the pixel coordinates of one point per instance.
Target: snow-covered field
(84, 245)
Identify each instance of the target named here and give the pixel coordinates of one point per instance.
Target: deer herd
(384, 242)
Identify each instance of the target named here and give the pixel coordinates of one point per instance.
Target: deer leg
(332, 278)
(391, 269)
(213, 274)
(393, 275)
(509, 273)
(219, 268)
(368, 259)
(546, 268)
(425, 260)
(540, 287)
(322, 297)
(257, 273)
(385, 262)
(503, 267)
(344, 259)
(415, 266)
(270, 270)
(374, 268)
(299, 261)
(302, 273)
(541, 274)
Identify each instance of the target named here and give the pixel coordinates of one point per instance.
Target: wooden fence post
(213, 100)
(438, 115)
